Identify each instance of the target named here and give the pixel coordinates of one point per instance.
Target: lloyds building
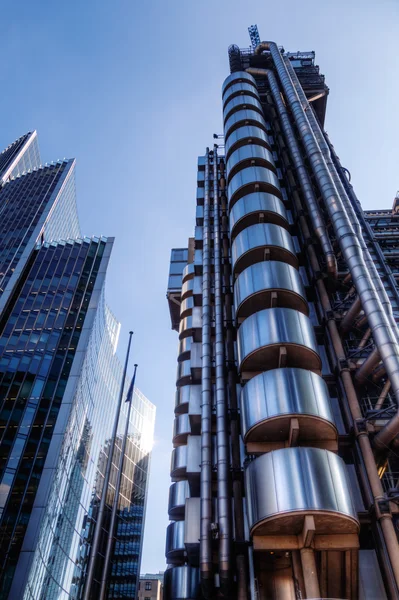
(59, 382)
(285, 472)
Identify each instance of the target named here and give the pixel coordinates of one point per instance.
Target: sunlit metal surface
(247, 134)
(188, 272)
(178, 461)
(240, 89)
(255, 285)
(183, 375)
(178, 492)
(184, 348)
(188, 396)
(252, 179)
(241, 102)
(174, 550)
(261, 336)
(248, 155)
(285, 485)
(186, 306)
(191, 322)
(243, 117)
(250, 244)
(181, 429)
(271, 399)
(181, 583)
(249, 209)
(240, 76)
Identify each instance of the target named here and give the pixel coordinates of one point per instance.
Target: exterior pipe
(222, 440)
(206, 402)
(100, 517)
(309, 569)
(112, 524)
(384, 335)
(364, 339)
(367, 367)
(239, 529)
(383, 395)
(387, 528)
(350, 316)
(302, 173)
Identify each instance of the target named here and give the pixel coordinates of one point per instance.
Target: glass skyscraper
(59, 384)
(285, 470)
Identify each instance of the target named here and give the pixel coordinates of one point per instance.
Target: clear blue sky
(132, 90)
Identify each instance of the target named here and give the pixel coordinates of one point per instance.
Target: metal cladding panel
(194, 454)
(256, 281)
(192, 522)
(190, 396)
(281, 392)
(196, 356)
(182, 583)
(247, 154)
(181, 428)
(183, 372)
(193, 321)
(174, 540)
(270, 206)
(243, 117)
(279, 327)
(255, 238)
(184, 346)
(241, 102)
(252, 179)
(178, 461)
(247, 134)
(240, 89)
(297, 479)
(178, 493)
(188, 272)
(238, 77)
(186, 307)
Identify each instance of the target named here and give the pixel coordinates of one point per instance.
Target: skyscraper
(59, 383)
(284, 467)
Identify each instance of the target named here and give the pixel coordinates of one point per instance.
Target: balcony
(255, 208)
(275, 338)
(272, 399)
(269, 284)
(261, 242)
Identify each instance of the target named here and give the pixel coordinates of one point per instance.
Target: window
(148, 586)
(147, 598)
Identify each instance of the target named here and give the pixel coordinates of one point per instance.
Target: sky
(132, 89)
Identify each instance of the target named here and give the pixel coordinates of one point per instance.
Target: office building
(59, 385)
(284, 468)
(151, 586)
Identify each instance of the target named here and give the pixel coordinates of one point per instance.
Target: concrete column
(310, 573)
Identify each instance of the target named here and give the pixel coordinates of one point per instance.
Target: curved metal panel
(250, 244)
(188, 396)
(240, 89)
(182, 583)
(237, 77)
(255, 285)
(186, 306)
(271, 399)
(252, 179)
(178, 492)
(247, 210)
(243, 117)
(188, 324)
(187, 288)
(248, 134)
(181, 429)
(188, 272)
(184, 348)
(183, 375)
(261, 336)
(178, 463)
(252, 154)
(174, 550)
(241, 102)
(285, 485)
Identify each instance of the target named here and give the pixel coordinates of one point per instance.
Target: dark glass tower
(59, 384)
(284, 468)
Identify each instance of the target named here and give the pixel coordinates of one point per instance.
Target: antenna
(254, 35)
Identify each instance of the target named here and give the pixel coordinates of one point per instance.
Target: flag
(131, 387)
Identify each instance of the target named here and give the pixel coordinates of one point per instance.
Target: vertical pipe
(222, 439)
(310, 573)
(100, 517)
(206, 401)
(111, 529)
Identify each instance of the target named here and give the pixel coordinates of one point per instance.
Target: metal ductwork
(384, 335)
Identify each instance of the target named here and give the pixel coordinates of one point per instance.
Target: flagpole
(100, 517)
(112, 524)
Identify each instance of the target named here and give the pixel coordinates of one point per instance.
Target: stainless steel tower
(284, 468)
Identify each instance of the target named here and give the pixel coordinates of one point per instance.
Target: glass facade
(20, 156)
(59, 385)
